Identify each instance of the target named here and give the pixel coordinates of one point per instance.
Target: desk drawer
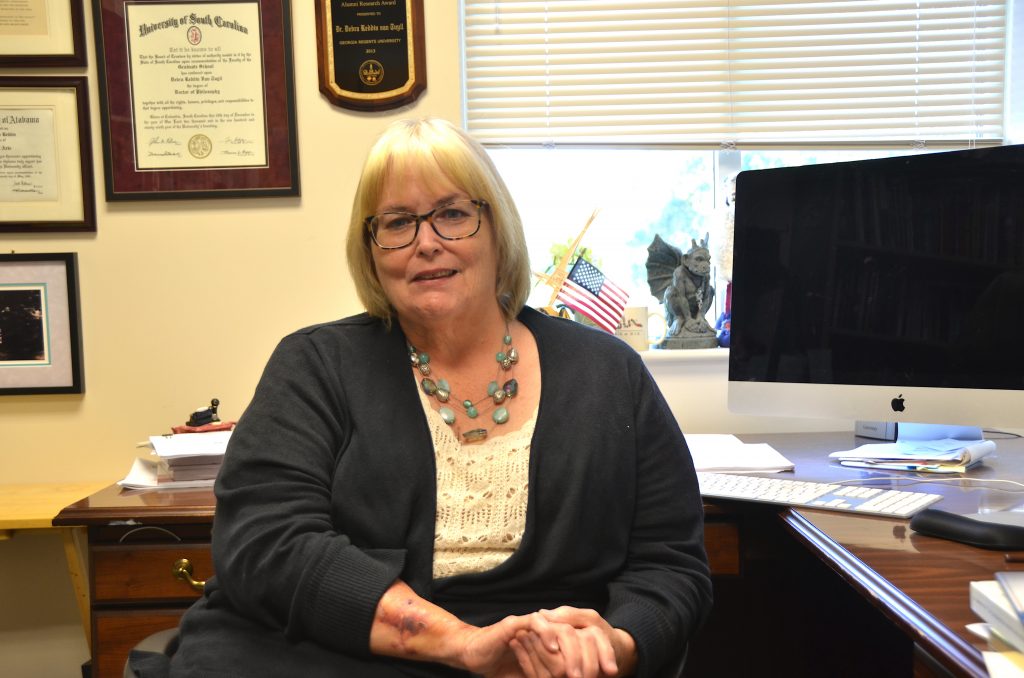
(722, 542)
(115, 633)
(134, 573)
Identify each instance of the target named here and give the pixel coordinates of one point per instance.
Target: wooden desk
(32, 506)
(909, 607)
(797, 593)
(135, 539)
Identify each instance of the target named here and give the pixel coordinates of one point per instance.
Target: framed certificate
(197, 99)
(40, 329)
(46, 179)
(371, 56)
(41, 33)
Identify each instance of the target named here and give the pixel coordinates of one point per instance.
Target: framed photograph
(197, 99)
(41, 33)
(46, 181)
(40, 330)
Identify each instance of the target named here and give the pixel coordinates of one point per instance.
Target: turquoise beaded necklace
(440, 390)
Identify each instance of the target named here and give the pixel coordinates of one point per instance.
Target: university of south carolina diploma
(197, 89)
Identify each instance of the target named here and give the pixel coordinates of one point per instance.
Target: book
(1013, 587)
(989, 602)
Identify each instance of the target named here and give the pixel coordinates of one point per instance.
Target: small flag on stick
(586, 290)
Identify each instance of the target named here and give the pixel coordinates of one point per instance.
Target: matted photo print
(40, 336)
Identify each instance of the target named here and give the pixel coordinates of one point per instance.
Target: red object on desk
(205, 428)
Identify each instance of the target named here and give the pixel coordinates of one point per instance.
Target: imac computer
(887, 290)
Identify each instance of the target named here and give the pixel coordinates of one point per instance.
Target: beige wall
(183, 301)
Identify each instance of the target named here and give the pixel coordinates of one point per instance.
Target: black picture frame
(191, 159)
(61, 44)
(72, 207)
(40, 324)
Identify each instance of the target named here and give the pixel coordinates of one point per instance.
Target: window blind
(690, 73)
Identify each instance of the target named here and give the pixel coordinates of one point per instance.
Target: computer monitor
(885, 290)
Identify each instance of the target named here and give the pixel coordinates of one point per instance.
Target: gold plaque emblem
(371, 72)
(200, 146)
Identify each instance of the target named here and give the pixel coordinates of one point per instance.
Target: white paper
(190, 444)
(144, 474)
(197, 85)
(980, 629)
(1004, 664)
(948, 450)
(723, 453)
(28, 155)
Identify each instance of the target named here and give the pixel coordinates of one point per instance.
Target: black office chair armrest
(151, 657)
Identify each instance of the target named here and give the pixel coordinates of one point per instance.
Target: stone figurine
(683, 282)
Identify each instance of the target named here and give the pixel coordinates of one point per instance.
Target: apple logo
(897, 403)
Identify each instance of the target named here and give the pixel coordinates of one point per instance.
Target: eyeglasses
(452, 221)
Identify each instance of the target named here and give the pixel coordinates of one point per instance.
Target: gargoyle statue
(683, 283)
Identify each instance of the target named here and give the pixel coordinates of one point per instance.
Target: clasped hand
(566, 642)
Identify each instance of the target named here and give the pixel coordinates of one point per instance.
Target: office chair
(149, 658)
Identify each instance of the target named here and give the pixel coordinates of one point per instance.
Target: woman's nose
(427, 240)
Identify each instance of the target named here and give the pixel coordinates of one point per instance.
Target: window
(636, 193)
(642, 109)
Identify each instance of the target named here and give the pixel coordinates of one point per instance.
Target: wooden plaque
(371, 53)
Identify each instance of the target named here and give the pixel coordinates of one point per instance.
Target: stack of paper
(179, 460)
(989, 601)
(722, 453)
(929, 456)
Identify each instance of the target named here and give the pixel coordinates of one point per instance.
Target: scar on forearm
(411, 626)
(407, 621)
(410, 623)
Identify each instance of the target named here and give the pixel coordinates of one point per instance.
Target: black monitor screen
(903, 271)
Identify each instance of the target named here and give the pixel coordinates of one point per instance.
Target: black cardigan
(327, 495)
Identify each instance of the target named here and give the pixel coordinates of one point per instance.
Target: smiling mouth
(435, 275)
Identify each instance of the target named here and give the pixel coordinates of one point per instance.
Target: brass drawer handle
(182, 570)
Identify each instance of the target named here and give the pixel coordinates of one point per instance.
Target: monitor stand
(911, 431)
(890, 430)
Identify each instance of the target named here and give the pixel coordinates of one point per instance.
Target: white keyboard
(809, 494)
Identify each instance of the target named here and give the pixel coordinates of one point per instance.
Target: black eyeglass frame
(427, 217)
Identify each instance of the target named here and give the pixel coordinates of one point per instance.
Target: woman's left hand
(574, 643)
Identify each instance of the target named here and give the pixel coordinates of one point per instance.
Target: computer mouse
(987, 535)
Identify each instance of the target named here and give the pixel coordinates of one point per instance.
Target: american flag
(587, 291)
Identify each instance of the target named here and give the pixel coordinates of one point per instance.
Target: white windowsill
(669, 356)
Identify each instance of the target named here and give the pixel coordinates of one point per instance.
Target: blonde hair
(422, 147)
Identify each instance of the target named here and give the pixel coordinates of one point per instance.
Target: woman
(450, 483)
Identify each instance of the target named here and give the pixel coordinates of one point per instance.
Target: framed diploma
(371, 53)
(40, 329)
(46, 179)
(197, 99)
(41, 33)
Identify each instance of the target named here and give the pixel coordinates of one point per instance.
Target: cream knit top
(481, 496)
